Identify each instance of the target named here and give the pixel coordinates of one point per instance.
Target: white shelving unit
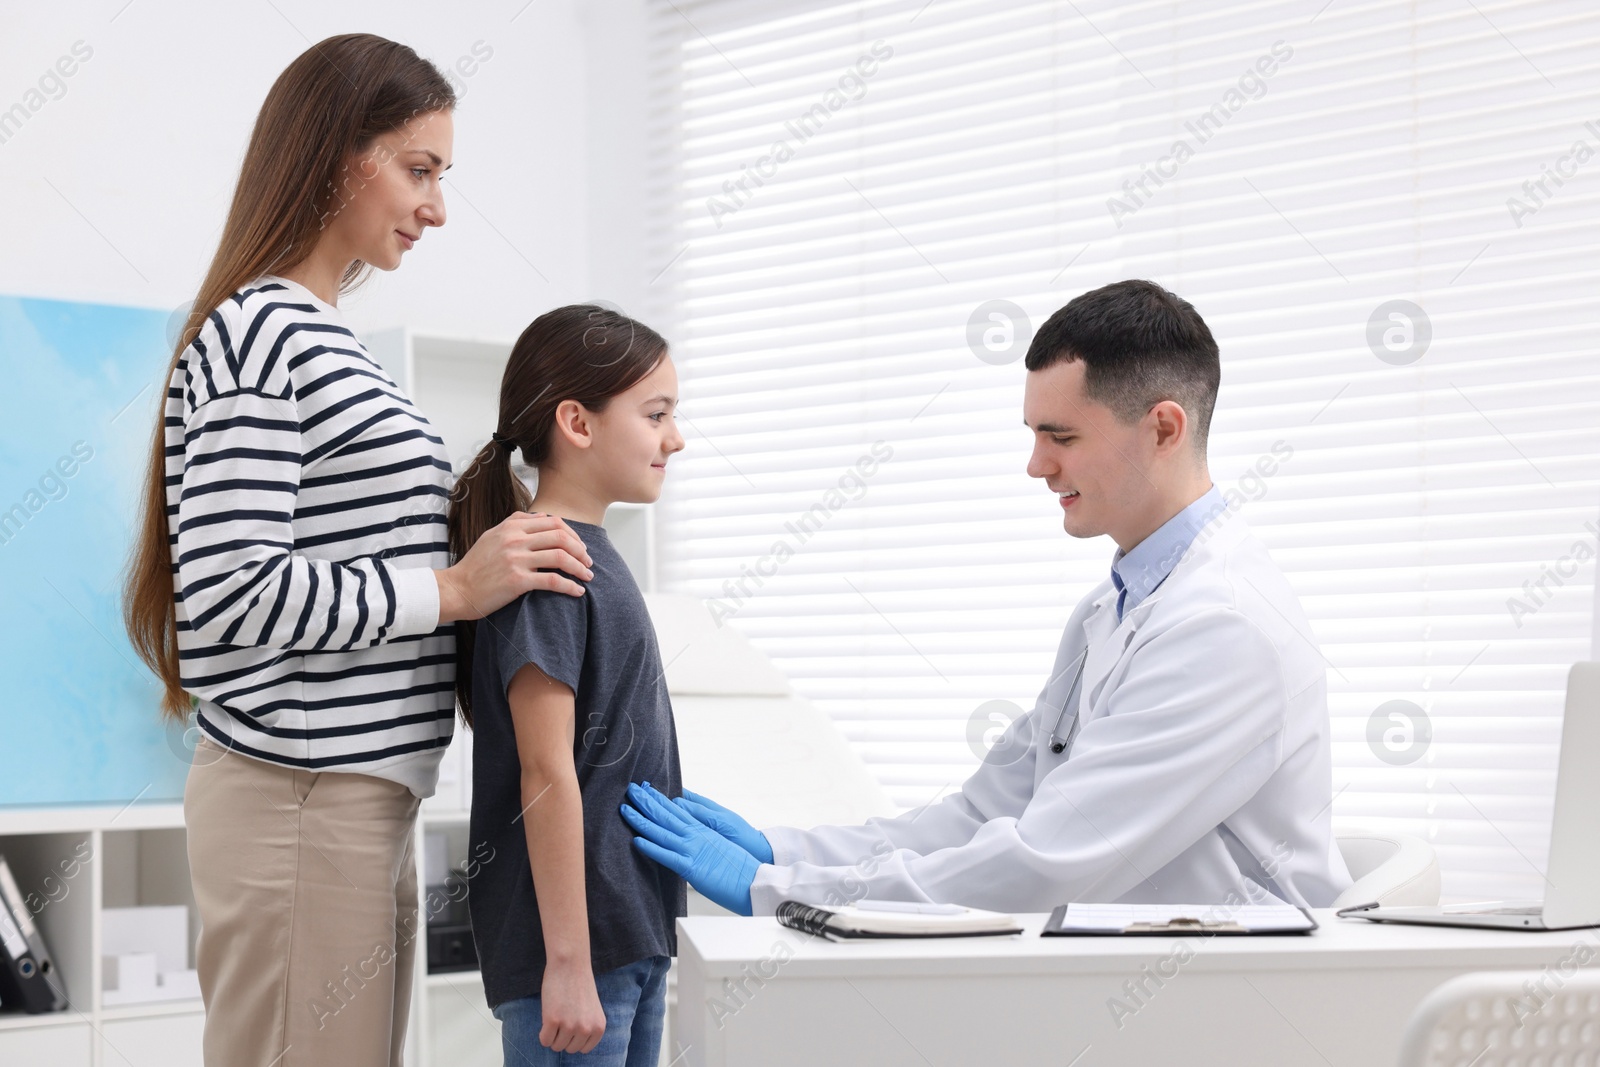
(450, 1019)
(71, 863)
(454, 381)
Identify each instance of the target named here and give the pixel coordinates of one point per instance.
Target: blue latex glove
(719, 869)
(723, 821)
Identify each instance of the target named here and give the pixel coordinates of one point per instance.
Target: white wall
(620, 266)
(114, 189)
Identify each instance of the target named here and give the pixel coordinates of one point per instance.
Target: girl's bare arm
(542, 718)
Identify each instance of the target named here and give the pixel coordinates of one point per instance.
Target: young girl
(568, 703)
(290, 586)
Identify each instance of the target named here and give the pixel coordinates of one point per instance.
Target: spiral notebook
(891, 918)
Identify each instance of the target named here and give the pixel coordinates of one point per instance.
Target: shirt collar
(1137, 573)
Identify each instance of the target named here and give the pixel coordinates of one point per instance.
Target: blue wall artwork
(79, 397)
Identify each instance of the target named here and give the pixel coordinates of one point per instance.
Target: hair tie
(504, 442)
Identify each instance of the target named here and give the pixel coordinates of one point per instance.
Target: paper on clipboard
(1152, 918)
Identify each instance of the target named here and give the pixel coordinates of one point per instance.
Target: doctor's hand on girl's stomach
(571, 1017)
(729, 824)
(717, 868)
(524, 552)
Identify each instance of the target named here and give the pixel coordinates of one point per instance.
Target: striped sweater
(306, 501)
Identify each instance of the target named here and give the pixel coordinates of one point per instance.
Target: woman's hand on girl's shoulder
(522, 553)
(573, 1020)
(549, 546)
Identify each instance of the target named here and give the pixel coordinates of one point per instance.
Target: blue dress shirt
(1136, 574)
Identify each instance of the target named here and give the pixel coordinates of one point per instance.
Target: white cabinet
(153, 1039)
(45, 1044)
(70, 864)
(455, 383)
(450, 1020)
(458, 1024)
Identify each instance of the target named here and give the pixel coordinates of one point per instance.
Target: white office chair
(1507, 1019)
(1390, 869)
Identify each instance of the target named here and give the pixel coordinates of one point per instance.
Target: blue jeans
(634, 999)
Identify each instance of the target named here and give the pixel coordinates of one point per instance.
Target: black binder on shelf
(28, 978)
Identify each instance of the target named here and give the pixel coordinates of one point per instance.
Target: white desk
(751, 992)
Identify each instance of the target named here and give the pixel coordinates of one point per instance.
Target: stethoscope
(1057, 743)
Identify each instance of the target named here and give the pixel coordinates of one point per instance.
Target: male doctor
(1179, 751)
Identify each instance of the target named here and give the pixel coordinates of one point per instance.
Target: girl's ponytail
(485, 495)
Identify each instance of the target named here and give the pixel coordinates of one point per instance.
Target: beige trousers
(307, 890)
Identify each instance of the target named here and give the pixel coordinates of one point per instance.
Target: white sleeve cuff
(416, 601)
(768, 890)
(784, 849)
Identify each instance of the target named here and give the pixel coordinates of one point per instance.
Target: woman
(293, 573)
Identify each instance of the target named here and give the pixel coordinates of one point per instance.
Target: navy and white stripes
(306, 499)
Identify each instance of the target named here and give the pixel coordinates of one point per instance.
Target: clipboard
(1167, 920)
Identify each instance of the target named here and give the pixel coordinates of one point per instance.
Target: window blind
(1384, 212)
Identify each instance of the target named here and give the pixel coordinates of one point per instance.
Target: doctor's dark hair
(581, 352)
(1140, 345)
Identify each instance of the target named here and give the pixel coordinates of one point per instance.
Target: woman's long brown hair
(581, 352)
(329, 104)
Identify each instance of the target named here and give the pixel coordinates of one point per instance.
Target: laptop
(1572, 883)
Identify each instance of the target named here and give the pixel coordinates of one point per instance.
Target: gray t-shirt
(604, 646)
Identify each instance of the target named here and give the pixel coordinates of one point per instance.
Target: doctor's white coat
(1199, 773)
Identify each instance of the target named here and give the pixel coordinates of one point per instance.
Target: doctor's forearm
(947, 823)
